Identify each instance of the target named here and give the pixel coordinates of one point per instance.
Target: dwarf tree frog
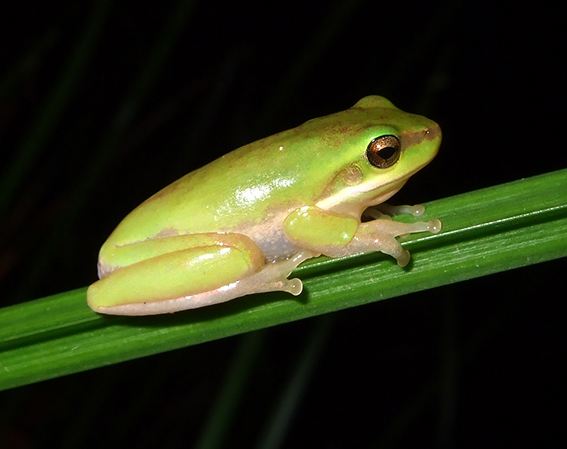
(242, 223)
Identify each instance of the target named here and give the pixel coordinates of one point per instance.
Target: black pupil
(387, 152)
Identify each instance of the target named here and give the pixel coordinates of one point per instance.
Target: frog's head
(381, 147)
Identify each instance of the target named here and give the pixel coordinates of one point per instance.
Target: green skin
(242, 223)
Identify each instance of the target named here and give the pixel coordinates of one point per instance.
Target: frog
(241, 224)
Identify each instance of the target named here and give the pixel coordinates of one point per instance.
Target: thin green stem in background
(484, 232)
(59, 99)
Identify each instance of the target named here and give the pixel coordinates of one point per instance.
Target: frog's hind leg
(186, 272)
(272, 277)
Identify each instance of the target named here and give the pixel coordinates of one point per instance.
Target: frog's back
(236, 188)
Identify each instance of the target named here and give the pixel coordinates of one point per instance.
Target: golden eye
(383, 152)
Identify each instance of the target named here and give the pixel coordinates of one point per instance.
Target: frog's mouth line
(391, 187)
(343, 200)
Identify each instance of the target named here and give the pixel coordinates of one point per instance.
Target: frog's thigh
(176, 267)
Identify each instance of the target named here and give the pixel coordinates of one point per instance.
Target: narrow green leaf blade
(484, 232)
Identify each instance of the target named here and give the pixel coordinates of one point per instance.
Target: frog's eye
(384, 151)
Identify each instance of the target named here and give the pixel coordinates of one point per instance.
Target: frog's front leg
(345, 236)
(188, 271)
(380, 235)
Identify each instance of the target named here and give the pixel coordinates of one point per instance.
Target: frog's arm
(323, 232)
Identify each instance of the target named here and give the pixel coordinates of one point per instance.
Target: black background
(467, 365)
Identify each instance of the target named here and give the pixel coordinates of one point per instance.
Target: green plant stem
(484, 232)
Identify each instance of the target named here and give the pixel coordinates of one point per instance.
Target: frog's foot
(382, 235)
(273, 277)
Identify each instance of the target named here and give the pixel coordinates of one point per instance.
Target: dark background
(103, 103)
